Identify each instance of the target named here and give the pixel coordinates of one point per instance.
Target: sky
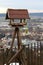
(31, 5)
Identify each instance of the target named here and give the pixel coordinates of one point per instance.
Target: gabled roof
(17, 14)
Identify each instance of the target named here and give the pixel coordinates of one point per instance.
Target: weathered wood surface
(1, 56)
(16, 54)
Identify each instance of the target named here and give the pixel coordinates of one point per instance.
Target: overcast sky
(31, 5)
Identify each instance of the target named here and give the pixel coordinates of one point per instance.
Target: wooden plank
(13, 37)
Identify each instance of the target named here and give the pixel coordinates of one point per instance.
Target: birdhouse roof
(17, 14)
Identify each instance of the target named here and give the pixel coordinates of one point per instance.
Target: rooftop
(17, 14)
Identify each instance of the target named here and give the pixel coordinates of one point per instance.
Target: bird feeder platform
(12, 14)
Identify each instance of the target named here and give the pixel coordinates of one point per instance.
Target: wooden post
(3, 55)
(18, 38)
(13, 38)
(20, 20)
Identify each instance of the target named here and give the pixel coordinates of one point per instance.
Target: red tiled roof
(17, 14)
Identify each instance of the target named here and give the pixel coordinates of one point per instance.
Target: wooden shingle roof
(17, 14)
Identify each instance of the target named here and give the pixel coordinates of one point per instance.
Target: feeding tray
(18, 24)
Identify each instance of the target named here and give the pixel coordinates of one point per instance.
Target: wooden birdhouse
(20, 14)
